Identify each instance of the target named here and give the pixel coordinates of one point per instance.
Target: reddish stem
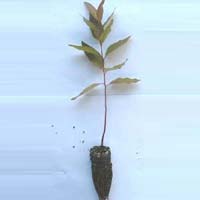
(105, 97)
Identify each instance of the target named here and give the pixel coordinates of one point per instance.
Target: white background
(153, 129)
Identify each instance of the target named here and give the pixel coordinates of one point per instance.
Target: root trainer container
(101, 170)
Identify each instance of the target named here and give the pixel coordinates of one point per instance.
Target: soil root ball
(102, 174)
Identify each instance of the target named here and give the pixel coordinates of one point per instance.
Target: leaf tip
(129, 37)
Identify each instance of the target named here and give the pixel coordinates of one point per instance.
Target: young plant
(101, 155)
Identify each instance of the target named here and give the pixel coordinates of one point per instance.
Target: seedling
(101, 155)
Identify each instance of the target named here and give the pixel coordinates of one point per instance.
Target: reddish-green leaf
(86, 90)
(124, 81)
(108, 20)
(106, 32)
(116, 45)
(95, 57)
(98, 27)
(92, 10)
(86, 49)
(90, 24)
(100, 11)
(116, 66)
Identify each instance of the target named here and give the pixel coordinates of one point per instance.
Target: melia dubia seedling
(101, 155)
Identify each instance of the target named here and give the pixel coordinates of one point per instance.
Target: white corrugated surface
(153, 128)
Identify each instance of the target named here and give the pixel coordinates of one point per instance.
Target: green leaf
(116, 45)
(86, 49)
(106, 32)
(92, 10)
(98, 27)
(94, 56)
(86, 90)
(100, 11)
(124, 81)
(108, 20)
(116, 66)
(90, 24)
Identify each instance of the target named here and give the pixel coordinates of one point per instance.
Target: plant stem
(105, 97)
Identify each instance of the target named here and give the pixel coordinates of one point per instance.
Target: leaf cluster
(100, 31)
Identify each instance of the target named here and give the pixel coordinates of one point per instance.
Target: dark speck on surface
(56, 133)
(52, 125)
(83, 141)
(137, 153)
(83, 132)
(74, 127)
(73, 147)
